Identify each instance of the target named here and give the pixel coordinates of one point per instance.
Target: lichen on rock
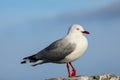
(98, 77)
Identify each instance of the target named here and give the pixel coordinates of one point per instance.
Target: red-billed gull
(64, 50)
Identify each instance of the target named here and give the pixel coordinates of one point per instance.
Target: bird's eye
(77, 29)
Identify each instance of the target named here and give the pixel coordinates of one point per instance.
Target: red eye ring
(77, 29)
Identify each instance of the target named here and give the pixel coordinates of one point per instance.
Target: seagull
(65, 50)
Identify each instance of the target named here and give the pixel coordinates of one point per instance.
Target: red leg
(73, 70)
(68, 68)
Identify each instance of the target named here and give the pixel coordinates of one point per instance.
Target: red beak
(85, 32)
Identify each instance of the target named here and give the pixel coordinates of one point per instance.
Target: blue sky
(27, 26)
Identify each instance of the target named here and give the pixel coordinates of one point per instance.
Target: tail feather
(29, 59)
(26, 61)
(33, 59)
(38, 62)
(23, 62)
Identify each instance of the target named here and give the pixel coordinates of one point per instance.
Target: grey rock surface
(99, 77)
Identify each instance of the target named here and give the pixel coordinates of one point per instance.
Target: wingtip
(23, 62)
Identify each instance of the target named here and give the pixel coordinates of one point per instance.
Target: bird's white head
(77, 29)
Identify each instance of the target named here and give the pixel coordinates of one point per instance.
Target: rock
(101, 77)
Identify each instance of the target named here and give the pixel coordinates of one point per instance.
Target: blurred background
(27, 26)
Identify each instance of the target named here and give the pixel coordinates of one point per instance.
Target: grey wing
(58, 50)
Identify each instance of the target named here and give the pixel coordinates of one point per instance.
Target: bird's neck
(75, 35)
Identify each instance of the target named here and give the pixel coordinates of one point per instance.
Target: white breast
(81, 46)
